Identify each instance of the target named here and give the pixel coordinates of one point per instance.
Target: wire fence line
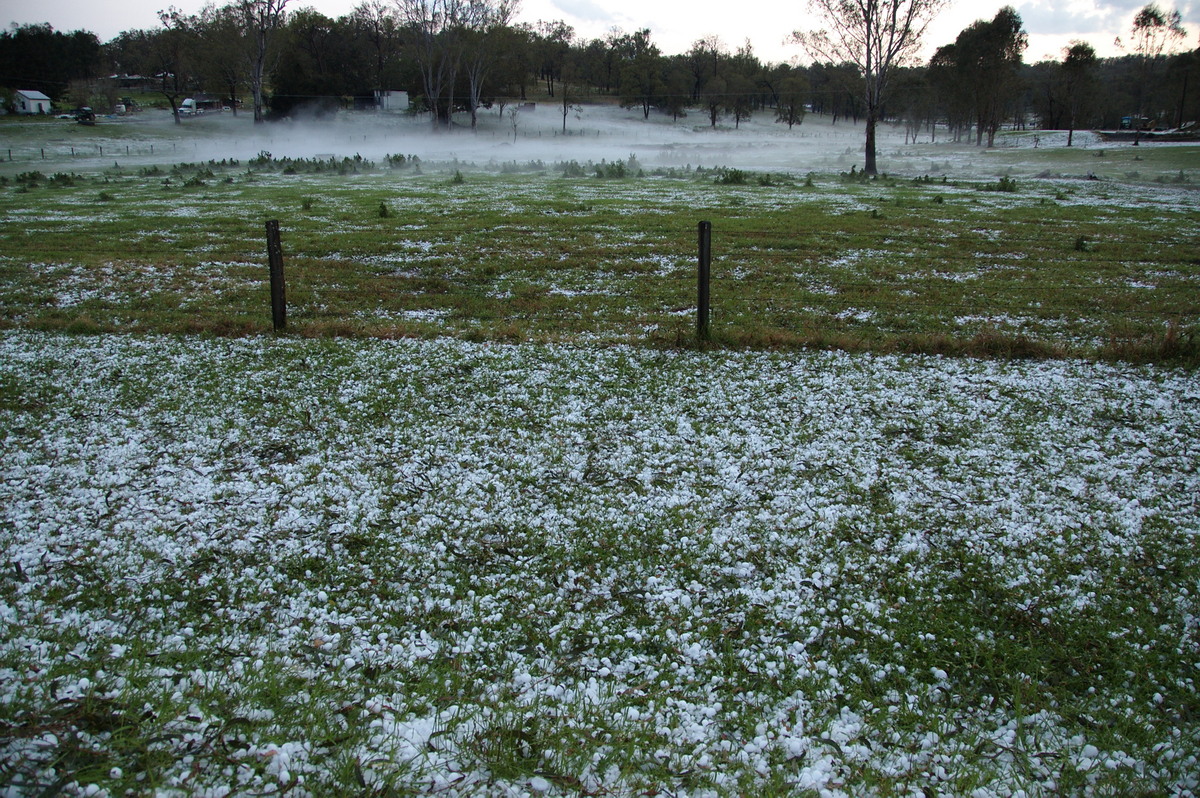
(454, 276)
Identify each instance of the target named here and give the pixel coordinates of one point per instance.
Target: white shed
(391, 100)
(32, 102)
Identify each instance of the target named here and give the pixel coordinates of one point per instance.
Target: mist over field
(593, 133)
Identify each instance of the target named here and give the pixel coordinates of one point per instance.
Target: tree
(483, 22)
(259, 19)
(1179, 76)
(1044, 82)
(742, 84)
(39, 57)
(877, 36)
(514, 65)
(704, 62)
(376, 24)
(712, 98)
(552, 41)
(677, 81)
(320, 62)
(434, 26)
(911, 101)
(1079, 83)
(171, 56)
(220, 52)
(1155, 32)
(984, 65)
(792, 93)
(641, 73)
(836, 90)
(568, 80)
(739, 98)
(951, 96)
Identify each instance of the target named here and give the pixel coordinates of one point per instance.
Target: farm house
(391, 100)
(31, 102)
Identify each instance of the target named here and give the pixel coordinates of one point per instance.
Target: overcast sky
(675, 24)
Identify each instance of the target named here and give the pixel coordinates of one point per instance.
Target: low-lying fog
(593, 133)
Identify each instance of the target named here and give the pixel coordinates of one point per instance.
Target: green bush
(613, 171)
(1006, 184)
(732, 177)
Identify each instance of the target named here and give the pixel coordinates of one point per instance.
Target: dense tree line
(455, 57)
(40, 58)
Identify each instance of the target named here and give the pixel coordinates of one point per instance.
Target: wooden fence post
(702, 274)
(275, 261)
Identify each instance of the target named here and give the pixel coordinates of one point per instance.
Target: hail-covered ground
(381, 567)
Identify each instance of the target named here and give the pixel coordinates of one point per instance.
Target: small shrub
(732, 177)
(939, 199)
(307, 203)
(572, 169)
(614, 171)
(384, 211)
(1179, 179)
(105, 197)
(1081, 244)
(854, 176)
(458, 178)
(1006, 184)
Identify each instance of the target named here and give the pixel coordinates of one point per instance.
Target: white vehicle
(189, 108)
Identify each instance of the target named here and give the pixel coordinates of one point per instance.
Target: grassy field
(1036, 261)
(488, 521)
(379, 568)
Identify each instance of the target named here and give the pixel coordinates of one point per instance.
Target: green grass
(935, 265)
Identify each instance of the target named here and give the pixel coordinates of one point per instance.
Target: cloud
(585, 10)
(1071, 18)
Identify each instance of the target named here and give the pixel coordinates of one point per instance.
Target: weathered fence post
(275, 261)
(702, 274)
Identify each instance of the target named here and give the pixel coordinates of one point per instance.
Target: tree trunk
(870, 167)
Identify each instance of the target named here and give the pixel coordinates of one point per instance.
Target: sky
(675, 24)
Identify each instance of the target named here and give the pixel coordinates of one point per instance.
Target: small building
(391, 100)
(31, 102)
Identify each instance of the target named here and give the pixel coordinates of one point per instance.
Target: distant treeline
(457, 56)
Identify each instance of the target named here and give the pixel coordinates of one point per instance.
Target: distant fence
(87, 150)
(766, 282)
(786, 279)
